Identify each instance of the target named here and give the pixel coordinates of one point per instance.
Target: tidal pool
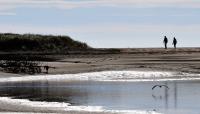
(181, 95)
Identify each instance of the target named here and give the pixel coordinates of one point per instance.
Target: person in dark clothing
(174, 42)
(165, 41)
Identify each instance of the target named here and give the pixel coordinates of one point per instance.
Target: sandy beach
(185, 60)
(99, 57)
(182, 60)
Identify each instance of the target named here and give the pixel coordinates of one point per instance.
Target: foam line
(23, 105)
(108, 76)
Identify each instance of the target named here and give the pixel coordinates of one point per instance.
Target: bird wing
(154, 87)
(166, 86)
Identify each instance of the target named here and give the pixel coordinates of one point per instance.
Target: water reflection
(175, 95)
(39, 91)
(166, 96)
(111, 95)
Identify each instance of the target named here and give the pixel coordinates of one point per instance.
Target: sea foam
(24, 105)
(108, 76)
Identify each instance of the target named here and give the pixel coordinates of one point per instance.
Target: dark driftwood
(28, 67)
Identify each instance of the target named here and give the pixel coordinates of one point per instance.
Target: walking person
(174, 42)
(165, 41)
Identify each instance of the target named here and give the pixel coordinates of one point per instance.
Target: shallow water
(112, 95)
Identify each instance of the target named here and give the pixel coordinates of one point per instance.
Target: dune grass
(41, 43)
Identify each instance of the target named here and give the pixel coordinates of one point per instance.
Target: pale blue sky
(106, 23)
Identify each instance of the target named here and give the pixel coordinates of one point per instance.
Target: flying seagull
(160, 86)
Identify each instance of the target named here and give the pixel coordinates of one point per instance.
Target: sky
(106, 23)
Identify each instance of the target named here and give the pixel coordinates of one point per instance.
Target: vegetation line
(34, 42)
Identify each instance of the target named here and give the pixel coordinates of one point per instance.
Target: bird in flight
(160, 86)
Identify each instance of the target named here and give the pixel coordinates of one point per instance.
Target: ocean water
(115, 91)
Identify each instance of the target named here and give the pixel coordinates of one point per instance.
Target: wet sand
(182, 60)
(179, 60)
